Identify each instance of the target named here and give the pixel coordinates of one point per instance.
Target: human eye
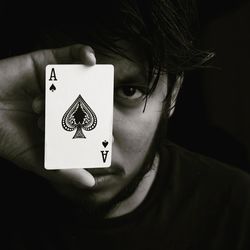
(129, 95)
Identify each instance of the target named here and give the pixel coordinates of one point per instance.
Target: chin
(91, 198)
(96, 203)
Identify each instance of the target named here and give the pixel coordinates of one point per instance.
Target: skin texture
(22, 105)
(21, 88)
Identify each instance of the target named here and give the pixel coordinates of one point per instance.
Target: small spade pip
(52, 88)
(79, 116)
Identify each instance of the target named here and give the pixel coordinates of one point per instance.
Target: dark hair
(161, 27)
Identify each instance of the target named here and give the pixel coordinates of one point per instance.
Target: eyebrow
(134, 76)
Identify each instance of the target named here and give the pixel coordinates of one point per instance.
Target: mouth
(104, 177)
(104, 171)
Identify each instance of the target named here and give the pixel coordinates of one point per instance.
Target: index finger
(75, 53)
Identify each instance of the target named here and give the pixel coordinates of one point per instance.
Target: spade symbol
(105, 144)
(79, 116)
(52, 88)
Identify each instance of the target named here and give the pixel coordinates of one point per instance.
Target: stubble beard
(96, 209)
(84, 202)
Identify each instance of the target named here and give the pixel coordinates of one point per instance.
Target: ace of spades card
(78, 116)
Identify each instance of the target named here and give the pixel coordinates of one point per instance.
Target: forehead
(129, 62)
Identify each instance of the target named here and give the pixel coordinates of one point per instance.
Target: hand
(22, 110)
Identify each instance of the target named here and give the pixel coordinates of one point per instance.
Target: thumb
(78, 177)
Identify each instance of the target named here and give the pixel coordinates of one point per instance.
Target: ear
(175, 92)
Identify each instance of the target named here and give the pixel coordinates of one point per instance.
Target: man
(155, 195)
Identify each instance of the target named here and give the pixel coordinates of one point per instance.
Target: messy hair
(162, 28)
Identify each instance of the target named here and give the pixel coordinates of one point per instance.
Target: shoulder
(203, 166)
(204, 191)
(205, 176)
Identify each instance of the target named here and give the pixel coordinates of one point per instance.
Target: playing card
(78, 116)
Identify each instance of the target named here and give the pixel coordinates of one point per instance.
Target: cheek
(134, 132)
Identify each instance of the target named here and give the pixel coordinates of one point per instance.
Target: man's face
(133, 129)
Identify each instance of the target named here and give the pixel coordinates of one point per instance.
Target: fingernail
(92, 58)
(90, 182)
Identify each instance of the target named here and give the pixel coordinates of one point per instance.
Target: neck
(132, 202)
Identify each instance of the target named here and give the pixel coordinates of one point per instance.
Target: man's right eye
(130, 94)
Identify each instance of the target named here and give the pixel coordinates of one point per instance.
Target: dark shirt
(195, 203)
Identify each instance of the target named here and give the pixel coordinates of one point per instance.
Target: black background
(212, 115)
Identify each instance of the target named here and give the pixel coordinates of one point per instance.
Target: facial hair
(82, 202)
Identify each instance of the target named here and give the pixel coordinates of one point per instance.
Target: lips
(104, 177)
(103, 171)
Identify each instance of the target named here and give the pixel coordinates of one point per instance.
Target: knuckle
(52, 54)
(89, 49)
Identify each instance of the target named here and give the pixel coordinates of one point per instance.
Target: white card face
(78, 116)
